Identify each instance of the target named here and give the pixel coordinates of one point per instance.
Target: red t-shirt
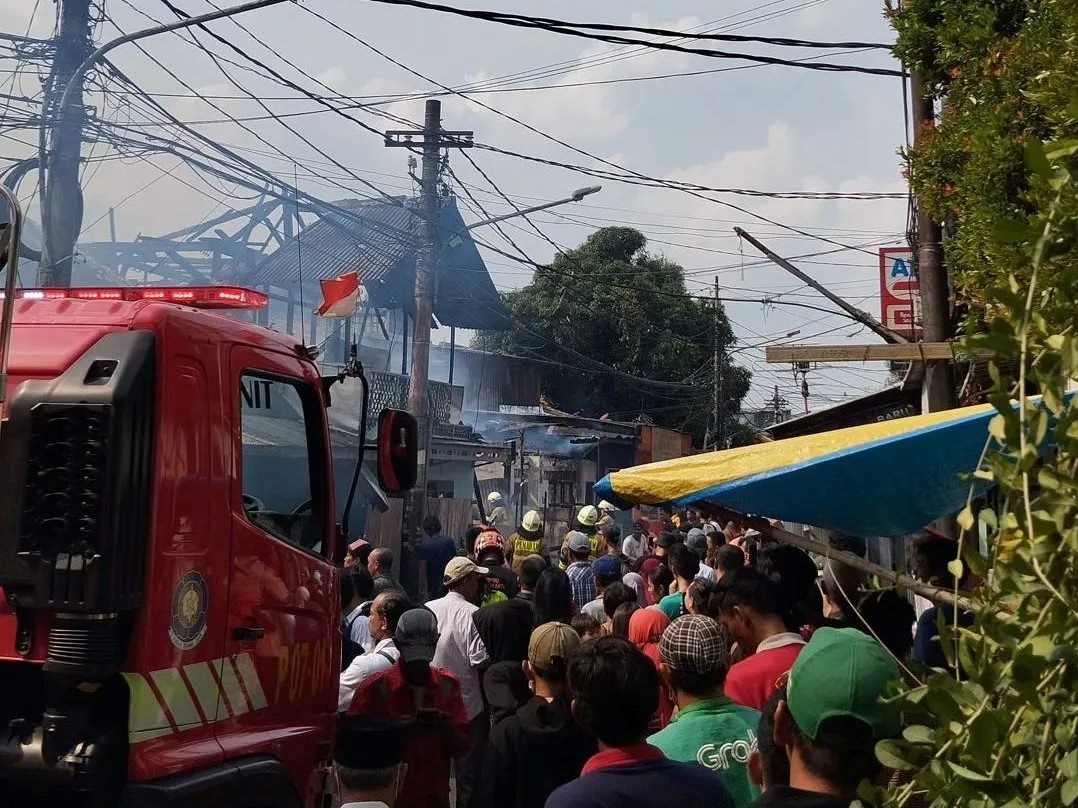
(430, 747)
(752, 680)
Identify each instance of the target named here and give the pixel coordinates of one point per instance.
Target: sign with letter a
(900, 292)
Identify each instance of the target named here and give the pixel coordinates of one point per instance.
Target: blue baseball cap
(607, 569)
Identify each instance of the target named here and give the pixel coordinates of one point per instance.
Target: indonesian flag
(341, 296)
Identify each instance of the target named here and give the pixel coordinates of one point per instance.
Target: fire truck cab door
(283, 639)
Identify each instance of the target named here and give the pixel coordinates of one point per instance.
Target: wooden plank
(910, 352)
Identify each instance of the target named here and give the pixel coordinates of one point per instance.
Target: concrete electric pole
(938, 391)
(432, 139)
(61, 203)
(716, 374)
(61, 206)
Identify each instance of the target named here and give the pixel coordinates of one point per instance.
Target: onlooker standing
(667, 540)
(635, 581)
(614, 690)
(659, 580)
(768, 764)
(616, 595)
(606, 570)
(429, 700)
(540, 747)
(553, 597)
(531, 567)
(728, 558)
(696, 540)
(619, 623)
(369, 763)
(637, 544)
(436, 550)
(833, 716)
(587, 627)
(709, 729)
(386, 611)
(581, 577)
(888, 616)
(380, 566)
(357, 634)
(685, 564)
(646, 629)
(750, 610)
(461, 652)
(505, 627)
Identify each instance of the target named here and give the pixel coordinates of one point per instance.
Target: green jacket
(719, 735)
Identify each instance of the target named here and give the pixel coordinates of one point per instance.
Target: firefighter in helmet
(528, 540)
(587, 522)
(497, 514)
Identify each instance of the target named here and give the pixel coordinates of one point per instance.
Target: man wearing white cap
(461, 651)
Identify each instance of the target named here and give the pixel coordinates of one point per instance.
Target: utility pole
(61, 203)
(432, 139)
(716, 374)
(937, 391)
(61, 206)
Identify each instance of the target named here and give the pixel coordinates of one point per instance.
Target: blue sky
(768, 128)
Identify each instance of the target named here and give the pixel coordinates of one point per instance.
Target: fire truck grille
(64, 482)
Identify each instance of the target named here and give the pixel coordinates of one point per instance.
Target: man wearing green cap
(831, 719)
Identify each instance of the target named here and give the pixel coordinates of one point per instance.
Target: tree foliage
(633, 340)
(1003, 72)
(1003, 733)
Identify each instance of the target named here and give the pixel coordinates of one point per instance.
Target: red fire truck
(169, 553)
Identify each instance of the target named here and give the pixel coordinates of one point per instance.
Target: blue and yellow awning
(880, 479)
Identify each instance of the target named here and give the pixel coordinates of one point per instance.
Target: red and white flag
(341, 296)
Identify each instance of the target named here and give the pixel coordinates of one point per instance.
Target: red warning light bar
(201, 297)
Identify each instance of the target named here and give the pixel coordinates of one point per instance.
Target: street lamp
(576, 196)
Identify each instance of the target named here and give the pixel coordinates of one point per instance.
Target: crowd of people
(693, 665)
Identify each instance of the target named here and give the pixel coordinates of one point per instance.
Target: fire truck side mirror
(398, 451)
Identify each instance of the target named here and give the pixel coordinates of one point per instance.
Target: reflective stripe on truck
(173, 700)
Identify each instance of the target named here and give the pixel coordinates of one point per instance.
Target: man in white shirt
(461, 651)
(636, 544)
(385, 612)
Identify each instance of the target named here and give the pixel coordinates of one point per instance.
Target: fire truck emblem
(189, 603)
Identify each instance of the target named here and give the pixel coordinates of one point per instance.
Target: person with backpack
(386, 612)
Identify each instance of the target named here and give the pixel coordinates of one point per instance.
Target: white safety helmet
(494, 497)
(606, 506)
(588, 516)
(532, 522)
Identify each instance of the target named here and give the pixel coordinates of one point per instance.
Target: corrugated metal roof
(380, 244)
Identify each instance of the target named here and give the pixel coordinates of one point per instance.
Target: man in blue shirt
(615, 690)
(436, 550)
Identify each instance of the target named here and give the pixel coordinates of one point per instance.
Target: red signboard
(900, 292)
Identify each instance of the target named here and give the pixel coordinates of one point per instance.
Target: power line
(563, 143)
(591, 32)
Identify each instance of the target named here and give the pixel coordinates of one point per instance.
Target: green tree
(633, 339)
(1003, 168)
